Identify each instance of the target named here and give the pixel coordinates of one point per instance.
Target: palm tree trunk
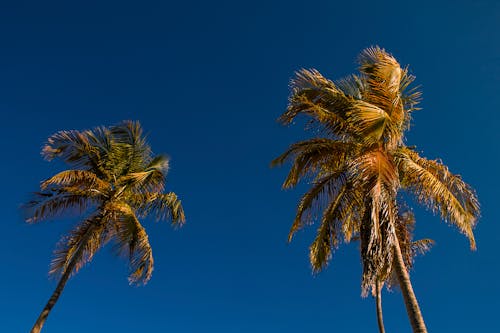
(412, 308)
(378, 297)
(62, 282)
(55, 296)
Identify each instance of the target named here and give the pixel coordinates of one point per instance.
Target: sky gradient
(207, 81)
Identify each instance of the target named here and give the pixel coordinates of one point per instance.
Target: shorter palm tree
(114, 179)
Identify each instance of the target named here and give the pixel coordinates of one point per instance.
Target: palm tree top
(114, 180)
(358, 161)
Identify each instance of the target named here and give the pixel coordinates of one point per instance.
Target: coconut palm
(114, 179)
(358, 163)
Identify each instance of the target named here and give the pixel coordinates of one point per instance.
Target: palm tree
(358, 163)
(114, 179)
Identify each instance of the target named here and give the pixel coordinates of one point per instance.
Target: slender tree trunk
(412, 308)
(62, 282)
(53, 299)
(378, 297)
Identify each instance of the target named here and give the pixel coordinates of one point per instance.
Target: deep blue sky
(207, 81)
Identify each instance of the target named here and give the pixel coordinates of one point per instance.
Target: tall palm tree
(114, 179)
(358, 163)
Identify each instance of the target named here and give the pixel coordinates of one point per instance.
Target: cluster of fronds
(361, 163)
(113, 180)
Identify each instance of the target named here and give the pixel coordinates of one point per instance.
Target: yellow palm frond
(310, 156)
(77, 179)
(315, 96)
(81, 243)
(381, 68)
(439, 190)
(162, 205)
(47, 205)
(151, 179)
(314, 199)
(132, 240)
(367, 121)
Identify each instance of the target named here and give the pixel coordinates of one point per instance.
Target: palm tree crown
(114, 179)
(359, 163)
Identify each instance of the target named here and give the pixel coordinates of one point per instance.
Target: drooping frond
(317, 97)
(49, 204)
(320, 251)
(81, 179)
(439, 190)
(315, 199)
(162, 205)
(377, 175)
(84, 150)
(81, 244)
(311, 155)
(132, 240)
(340, 216)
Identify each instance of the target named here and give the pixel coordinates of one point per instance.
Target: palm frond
(151, 179)
(137, 153)
(162, 205)
(315, 199)
(310, 155)
(353, 86)
(80, 149)
(317, 97)
(81, 244)
(320, 251)
(81, 179)
(49, 204)
(439, 190)
(340, 216)
(381, 68)
(367, 121)
(132, 240)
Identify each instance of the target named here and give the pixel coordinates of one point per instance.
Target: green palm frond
(439, 190)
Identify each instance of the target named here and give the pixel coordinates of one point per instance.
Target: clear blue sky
(207, 79)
